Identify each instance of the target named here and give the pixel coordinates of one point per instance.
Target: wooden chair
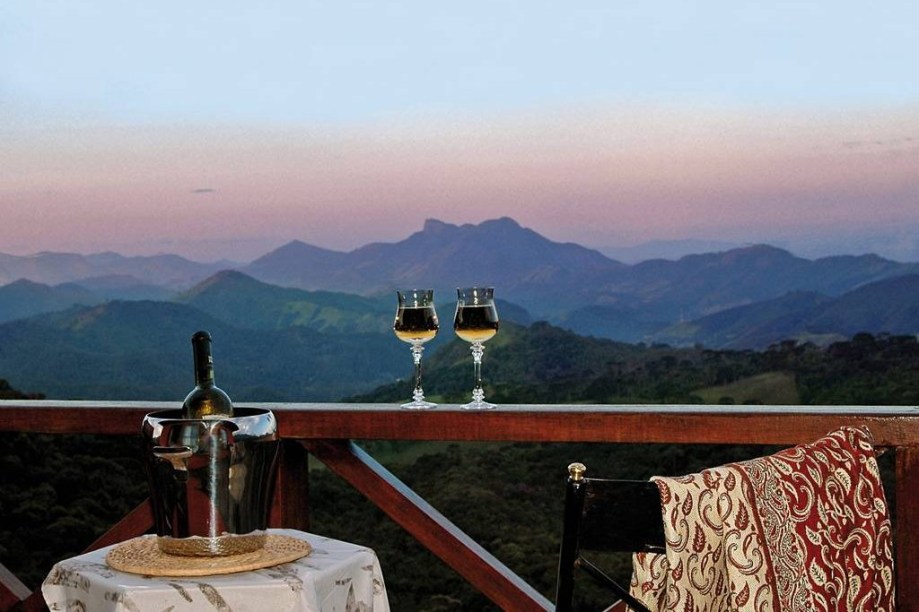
(605, 515)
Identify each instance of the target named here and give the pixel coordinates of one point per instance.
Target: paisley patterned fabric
(806, 529)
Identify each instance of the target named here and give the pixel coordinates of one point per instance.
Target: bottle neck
(204, 361)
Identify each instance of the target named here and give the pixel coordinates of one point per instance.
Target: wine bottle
(206, 400)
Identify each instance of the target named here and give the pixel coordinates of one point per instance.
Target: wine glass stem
(417, 349)
(478, 393)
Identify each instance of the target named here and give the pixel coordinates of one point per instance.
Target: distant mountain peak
(294, 245)
(760, 248)
(24, 282)
(224, 280)
(435, 225)
(760, 253)
(231, 275)
(501, 222)
(297, 246)
(741, 253)
(507, 223)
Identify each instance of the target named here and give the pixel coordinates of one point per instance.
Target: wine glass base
(478, 405)
(418, 405)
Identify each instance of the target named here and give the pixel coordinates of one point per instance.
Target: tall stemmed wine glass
(416, 323)
(476, 321)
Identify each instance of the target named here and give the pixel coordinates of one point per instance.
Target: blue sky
(366, 96)
(345, 62)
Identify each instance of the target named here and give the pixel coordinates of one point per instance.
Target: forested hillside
(57, 493)
(545, 364)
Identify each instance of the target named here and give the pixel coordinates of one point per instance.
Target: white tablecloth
(335, 577)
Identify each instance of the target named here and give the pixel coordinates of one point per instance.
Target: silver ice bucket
(210, 480)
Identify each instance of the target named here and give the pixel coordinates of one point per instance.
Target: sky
(226, 129)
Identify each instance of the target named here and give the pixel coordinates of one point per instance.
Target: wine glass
(476, 321)
(416, 323)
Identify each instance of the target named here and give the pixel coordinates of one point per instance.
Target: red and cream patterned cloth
(806, 529)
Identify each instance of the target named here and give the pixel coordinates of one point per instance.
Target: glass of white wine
(476, 321)
(416, 323)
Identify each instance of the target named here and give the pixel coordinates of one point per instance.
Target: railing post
(290, 505)
(906, 537)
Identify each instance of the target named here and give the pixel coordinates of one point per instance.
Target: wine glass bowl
(416, 323)
(476, 321)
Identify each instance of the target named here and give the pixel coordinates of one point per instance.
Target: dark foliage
(59, 493)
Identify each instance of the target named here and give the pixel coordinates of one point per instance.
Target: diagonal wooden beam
(12, 590)
(33, 603)
(136, 522)
(434, 531)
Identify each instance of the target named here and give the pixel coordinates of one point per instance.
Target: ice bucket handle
(177, 456)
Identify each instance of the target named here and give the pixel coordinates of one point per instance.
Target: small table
(336, 576)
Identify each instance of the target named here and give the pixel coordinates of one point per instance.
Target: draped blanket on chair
(804, 529)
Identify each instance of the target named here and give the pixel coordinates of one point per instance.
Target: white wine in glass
(475, 322)
(416, 323)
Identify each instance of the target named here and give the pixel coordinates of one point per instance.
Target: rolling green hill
(141, 350)
(775, 388)
(240, 300)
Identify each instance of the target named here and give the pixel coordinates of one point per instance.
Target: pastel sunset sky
(225, 129)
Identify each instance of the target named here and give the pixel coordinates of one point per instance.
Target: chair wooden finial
(576, 471)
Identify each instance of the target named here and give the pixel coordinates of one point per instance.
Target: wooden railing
(326, 431)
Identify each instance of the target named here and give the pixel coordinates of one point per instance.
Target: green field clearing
(777, 388)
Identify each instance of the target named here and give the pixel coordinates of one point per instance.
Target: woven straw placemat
(141, 555)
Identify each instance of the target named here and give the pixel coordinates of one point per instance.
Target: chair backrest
(605, 515)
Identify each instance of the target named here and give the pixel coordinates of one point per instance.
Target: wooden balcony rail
(326, 432)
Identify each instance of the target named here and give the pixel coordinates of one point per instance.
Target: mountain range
(55, 268)
(744, 297)
(887, 306)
